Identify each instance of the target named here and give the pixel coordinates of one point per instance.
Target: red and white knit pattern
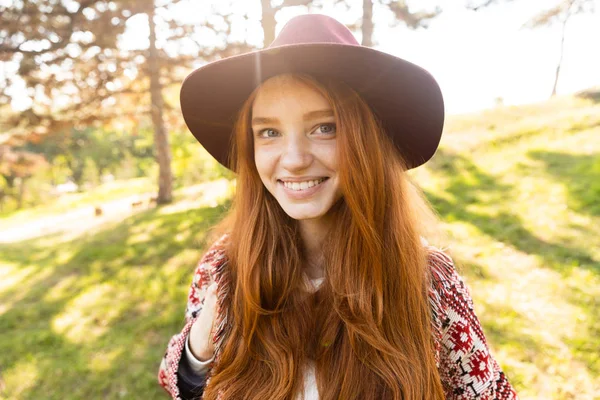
(204, 276)
(467, 369)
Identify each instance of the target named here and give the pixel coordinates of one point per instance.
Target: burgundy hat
(404, 96)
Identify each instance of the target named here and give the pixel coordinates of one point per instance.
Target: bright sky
(477, 57)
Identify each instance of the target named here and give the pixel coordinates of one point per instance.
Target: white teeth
(302, 185)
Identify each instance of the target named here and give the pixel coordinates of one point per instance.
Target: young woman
(320, 283)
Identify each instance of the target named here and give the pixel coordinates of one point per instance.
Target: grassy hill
(86, 310)
(519, 190)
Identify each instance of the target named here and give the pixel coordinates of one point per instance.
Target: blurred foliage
(16, 167)
(88, 157)
(75, 69)
(80, 78)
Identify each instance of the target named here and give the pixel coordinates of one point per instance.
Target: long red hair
(368, 328)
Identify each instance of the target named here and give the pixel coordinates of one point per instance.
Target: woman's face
(295, 143)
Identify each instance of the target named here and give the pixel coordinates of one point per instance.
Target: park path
(83, 219)
(75, 221)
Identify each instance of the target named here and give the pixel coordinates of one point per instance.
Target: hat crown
(314, 28)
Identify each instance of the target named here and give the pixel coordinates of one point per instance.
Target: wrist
(198, 352)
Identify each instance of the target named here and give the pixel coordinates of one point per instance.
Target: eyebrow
(308, 116)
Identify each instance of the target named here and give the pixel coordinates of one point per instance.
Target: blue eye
(327, 129)
(268, 133)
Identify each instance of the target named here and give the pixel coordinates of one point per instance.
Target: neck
(313, 233)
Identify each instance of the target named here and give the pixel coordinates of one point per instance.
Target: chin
(302, 213)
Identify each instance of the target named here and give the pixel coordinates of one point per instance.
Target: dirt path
(82, 219)
(75, 221)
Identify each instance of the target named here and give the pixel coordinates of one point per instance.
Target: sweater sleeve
(467, 368)
(197, 366)
(175, 374)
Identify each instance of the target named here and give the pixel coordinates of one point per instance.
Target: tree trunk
(100, 171)
(161, 140)
(10, 187)
(367, 23)
(21, 193)
(268, 22)
(562, 48)
(77, 168)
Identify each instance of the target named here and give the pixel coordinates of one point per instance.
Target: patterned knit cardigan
(466, 367)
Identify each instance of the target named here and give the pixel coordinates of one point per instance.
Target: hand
(201, 333)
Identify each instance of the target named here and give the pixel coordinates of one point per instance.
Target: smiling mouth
(304, 185)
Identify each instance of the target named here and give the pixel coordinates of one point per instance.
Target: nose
(296, 155)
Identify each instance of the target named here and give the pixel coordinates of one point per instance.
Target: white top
(310, 383)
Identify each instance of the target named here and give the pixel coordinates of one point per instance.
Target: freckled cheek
(265, 164)
(329, 157)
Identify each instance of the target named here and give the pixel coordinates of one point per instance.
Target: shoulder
(441, 267)
(216, 252)
(208, 270)
(441, 264)
(211, 263)
(447, 285)
(444, 275)
(449, 297)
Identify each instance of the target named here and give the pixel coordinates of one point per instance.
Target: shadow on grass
(508, 140)
(92, 316)
(590, 94)
(468, 185)
(579, 173)
(586, 345)
(507, 329)
(584, 125)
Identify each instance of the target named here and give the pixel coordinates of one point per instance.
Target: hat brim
(404, 96)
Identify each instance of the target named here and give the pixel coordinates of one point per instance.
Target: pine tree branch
(63, 41)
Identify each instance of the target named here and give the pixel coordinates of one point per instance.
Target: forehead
(286, 93)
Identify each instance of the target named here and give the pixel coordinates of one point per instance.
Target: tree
(477, 5)
(106, 149)
(161, 140)
(561, 13)
(77, 74)
(269, 12)
(60, 51)
(402, 11)
(16, 166)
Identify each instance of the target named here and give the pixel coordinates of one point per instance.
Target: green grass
(89, 315)
(88, 318)
(518, 189)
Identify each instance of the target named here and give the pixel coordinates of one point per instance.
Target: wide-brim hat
(404, 96)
